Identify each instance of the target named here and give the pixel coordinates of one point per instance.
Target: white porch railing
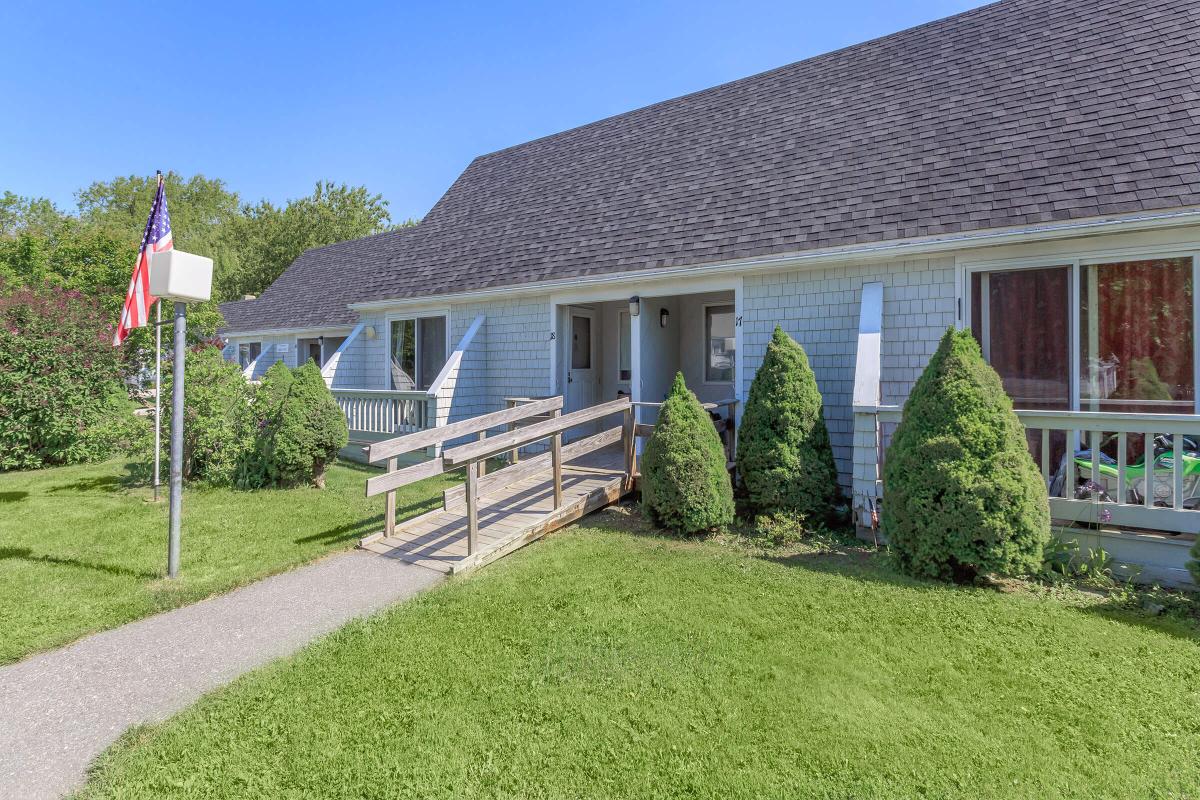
(1084, 459)
(386, 412)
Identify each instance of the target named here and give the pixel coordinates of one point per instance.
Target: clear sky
(397, 96)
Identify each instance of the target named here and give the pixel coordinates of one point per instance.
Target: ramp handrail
(474, 455)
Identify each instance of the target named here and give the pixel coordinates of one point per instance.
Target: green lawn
(607, 663)
(83, 548)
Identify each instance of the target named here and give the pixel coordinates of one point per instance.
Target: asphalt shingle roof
(1020, 112)
(314, 290)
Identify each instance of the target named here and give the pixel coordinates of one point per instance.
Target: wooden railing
(1084, 458)
(473, 455)
(384, 411)
(724, 423)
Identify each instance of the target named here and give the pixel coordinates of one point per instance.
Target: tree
(784, 456)
(309, 431)
(962, 496)
(62, 400)
(270, 238)
(685, 484)
(217, 424)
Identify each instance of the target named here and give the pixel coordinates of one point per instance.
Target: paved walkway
(60, 709)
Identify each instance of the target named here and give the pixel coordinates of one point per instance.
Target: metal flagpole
(177, 439)
(157, 394)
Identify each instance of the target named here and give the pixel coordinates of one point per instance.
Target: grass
(608, 663)
(83, 548)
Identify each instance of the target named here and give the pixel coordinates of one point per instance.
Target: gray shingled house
(1029, 169)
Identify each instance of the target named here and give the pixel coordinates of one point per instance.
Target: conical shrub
(310, 429)
(962, 496)
(685, 484)
(784, 456)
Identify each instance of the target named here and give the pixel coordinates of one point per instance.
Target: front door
(582, 369)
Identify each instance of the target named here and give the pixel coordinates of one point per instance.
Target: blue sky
(399, 97)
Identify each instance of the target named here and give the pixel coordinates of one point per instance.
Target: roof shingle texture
(1020, 112)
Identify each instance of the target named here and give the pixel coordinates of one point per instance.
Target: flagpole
(157, 394)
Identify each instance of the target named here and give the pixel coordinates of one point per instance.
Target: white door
(582, 369)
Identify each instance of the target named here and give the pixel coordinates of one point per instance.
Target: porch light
(662, 317)
(635, 306)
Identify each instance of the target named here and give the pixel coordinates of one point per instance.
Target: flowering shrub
(62, 397)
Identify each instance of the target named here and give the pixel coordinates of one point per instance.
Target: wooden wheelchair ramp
(493, 514)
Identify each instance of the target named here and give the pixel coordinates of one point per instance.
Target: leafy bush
(962, 496)
(685, 485)
(308, 430)
(784, 456)
(1194, 565)
(217, 422)
(62, 396)
(259, 468)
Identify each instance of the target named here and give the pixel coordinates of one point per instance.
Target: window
(1022, 321)
(625, 348)
(721, 348)
(1136, 338)
(418, 352)
(309, 350)
(248, 353)
(1132, 322)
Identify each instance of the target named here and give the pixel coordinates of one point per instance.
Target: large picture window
(417, 349)
(1105, 336)
(1135, 337)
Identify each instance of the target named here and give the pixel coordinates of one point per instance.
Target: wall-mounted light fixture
(635, 306)
(369, 331)
(662, 317)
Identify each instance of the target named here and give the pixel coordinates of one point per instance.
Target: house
(1029, 169)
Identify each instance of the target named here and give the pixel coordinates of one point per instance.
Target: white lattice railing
(1085, 459)
(384, 411)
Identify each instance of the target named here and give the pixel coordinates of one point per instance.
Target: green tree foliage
(962, 496)
(218, 429)
(308, 432)
(260, 467)
(783, 455)
(269, 238)
(685, 485)
(62, 400)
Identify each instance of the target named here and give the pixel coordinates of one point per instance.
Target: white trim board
(628, 283)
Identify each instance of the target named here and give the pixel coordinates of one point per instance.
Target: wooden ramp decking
(509, 518)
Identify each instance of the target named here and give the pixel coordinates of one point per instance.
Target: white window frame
(704, 307)
(253, 361)
(1074, 262)
(387, 339)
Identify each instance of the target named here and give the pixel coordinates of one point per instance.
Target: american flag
(156, 239)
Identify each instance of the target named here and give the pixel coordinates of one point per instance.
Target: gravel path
(59, 710)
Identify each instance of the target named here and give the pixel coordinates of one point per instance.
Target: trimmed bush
(309, 430)
(962, 496)
(784, 456)
(218, 429)
(685, 485)
(62, 394)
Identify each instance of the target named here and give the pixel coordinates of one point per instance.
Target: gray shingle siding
(819, 309)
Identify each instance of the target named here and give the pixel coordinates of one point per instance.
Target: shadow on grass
(104, 484)
(26, 554)
(357, 530)
(13, 497)
(1181, 625)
